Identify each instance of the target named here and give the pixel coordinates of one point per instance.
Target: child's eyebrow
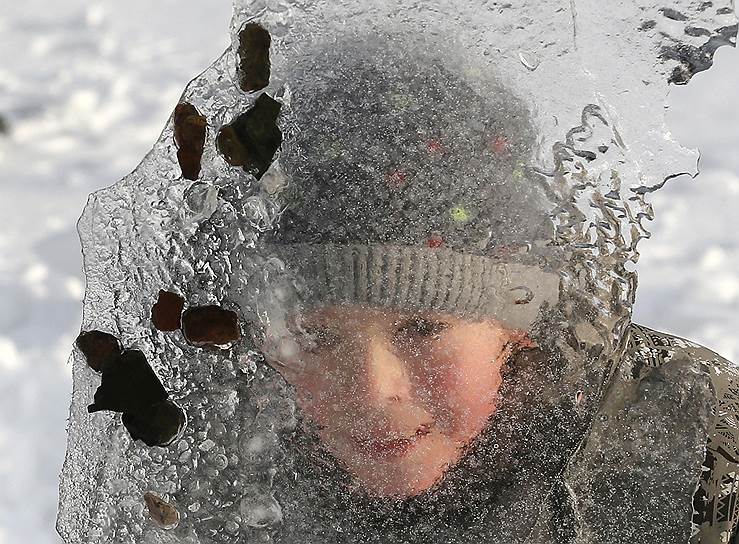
(416, 322)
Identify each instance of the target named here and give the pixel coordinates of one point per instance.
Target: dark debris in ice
(697, 31)
(98, 348)
(166, 314)
(189, 135)
(129, 385)
(157, 425)
(252, 140)
(673, 14)
(210, 325)
(254, 65)
(694, 59)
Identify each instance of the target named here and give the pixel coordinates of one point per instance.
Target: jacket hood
(362, 109)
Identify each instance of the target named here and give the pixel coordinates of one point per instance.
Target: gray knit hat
(407, 189)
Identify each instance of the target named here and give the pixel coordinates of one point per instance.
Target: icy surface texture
(507, 147)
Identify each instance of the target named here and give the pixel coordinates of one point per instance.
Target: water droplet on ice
(207, 445)
(530, 60)
(288, 348)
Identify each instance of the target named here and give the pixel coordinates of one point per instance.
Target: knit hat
(407, 189)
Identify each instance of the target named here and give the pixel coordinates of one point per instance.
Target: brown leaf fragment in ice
(210, 325)
(162, 513)
(253, 138)
(98, 348)
(166, 314)
(254, 65)
(189, 135)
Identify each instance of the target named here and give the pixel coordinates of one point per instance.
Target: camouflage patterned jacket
(661, 463)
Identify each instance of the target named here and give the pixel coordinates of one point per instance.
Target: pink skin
(396, 395)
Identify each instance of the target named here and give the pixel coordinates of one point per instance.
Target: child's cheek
(439, 392)
(432, 381)
(463, 398)
(310, 393)
(323, 394)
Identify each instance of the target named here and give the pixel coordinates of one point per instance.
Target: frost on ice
(372, 284)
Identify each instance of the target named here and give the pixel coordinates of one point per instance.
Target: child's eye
(423, 328)
(319, 337)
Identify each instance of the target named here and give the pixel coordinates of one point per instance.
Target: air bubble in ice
(202, 199)
(258, 448)
(219, 461)
(255, 211)
(259, 509)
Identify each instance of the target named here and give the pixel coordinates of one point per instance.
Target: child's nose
(382, 377)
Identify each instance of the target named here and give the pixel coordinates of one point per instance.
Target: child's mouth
(391, 448)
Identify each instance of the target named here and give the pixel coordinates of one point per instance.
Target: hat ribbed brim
(420, 279)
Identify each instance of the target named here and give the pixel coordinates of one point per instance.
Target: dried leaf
(252, 140)
(189, 135)
(98, 348)
(164, 514)
(210, 325)
(166, 314)
(254, 65)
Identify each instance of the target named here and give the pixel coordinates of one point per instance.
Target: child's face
(395, 395)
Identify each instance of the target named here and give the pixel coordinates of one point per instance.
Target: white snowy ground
(86, 86)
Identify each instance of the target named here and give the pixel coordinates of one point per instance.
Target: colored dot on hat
(460, 214)
(518, 171)
(434, 146)
(434, 241)
(401, 100)
(396, 178)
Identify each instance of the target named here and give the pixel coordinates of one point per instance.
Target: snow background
(86, 87)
